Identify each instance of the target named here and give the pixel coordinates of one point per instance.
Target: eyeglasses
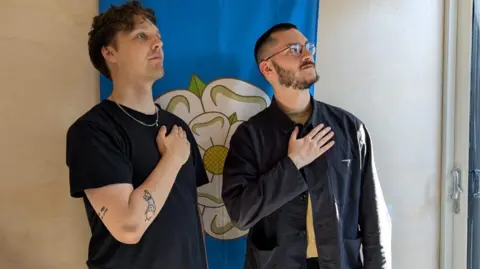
(295, 49)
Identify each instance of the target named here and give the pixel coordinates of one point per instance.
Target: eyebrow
(144, 29)
(293, 43)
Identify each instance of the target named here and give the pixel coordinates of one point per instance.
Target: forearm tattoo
(151, 208)
(103, 211)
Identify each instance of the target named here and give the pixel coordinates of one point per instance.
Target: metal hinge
(457, 189)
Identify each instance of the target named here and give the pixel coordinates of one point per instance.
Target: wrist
(295, 161)
(173, 159)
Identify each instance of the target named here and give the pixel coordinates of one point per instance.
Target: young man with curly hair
(136, 166)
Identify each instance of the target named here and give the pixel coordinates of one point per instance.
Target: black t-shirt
(106, 146)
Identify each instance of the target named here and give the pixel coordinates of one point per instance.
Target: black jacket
(263, 191)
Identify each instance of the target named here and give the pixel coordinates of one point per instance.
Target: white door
(457, 171)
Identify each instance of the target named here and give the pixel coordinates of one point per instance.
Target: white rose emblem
(213, 113)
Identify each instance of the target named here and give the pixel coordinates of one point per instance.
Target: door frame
(455, 131)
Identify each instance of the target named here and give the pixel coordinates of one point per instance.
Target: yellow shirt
(311, 244)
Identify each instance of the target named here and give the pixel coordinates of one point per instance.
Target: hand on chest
(337, 169)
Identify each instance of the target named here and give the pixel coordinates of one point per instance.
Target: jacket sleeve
(249, 194)
(375, 223)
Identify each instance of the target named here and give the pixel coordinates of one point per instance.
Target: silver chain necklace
(141, 122)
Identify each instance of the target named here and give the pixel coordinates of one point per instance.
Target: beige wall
(47, 81)
(365, 48)
(382, 61)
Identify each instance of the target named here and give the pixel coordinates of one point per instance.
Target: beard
(288, 79)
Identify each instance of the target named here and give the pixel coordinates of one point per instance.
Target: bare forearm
(127, 212)
(147, 200)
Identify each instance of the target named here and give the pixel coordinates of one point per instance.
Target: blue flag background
(211, 76)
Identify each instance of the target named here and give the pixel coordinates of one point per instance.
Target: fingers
(173, 131)
(326, 147)
(314, 132)
(182, 133)
(176, 131)
(162, 131)
(321, 134)
(294, 134)
(179, 131)
(324, 139)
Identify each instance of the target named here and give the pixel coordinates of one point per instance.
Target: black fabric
(263, 191)
(105, 146)
(312, 263)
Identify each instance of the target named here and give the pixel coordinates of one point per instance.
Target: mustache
(307, 62)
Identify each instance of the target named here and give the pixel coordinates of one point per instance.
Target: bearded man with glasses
(301, 174)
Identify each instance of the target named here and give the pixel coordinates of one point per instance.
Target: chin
(311, 73)
(160, 74)
(157, 74)
(307, 83)
(310, 80)
(313, 78)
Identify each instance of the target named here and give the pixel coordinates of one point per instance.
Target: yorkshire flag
(212, 82)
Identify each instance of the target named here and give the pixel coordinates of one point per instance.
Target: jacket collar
(281, 120)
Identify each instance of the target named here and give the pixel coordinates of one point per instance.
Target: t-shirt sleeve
(200, 173)
(95, 158)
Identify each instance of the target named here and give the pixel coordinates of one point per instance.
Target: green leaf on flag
(196, 86)
(233, 118)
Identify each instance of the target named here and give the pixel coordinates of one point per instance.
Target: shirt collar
(279, 118)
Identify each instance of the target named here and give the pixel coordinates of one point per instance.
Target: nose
(307, 57)
(157, 43)
(308, 50)
(306, 53)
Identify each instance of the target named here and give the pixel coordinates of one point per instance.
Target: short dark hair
(106, 25)
(266, 38)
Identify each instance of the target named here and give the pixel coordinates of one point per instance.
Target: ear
(266, 68)
(109, 53)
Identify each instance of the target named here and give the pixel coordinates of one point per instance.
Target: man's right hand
(175, 144)
(303, 151)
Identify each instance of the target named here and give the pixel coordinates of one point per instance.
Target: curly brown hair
(106, 25)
